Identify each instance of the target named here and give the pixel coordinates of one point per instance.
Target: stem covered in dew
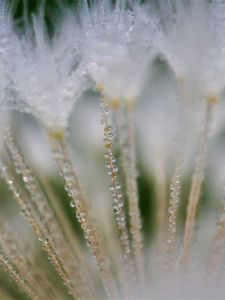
(118, 199)
(20, 281)
(175, 185)
(172, 210)
(15, 251)
(82, 211)
(38, 230)
(44, 223)
(125, 132)
(196, 184)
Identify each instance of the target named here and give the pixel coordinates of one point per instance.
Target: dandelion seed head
(191, 41)
(117, 46)
(46, 75)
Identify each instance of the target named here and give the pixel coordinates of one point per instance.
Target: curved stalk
(82, 211)
(20, 281)
(125, 133)
(44, 223)
(118, 200)
(196, 184)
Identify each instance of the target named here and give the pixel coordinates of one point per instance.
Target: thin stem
(196, 185)
(20, 281)
(73, 240)
(10, 246)
(31, 217)
(125, 133)
(118, 200)
(175, 185)
(44, 223)
(172, 210)
(22, 255)
(82, 211)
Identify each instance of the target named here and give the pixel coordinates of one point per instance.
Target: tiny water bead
(79, 204)
(25, 179)
(113, 160)
(115, 169)
(118, 199)
(112, 188)
(107, 155)
(72, 204)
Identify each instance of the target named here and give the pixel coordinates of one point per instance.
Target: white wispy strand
(191, 40)
(116, 46)
(46, 74)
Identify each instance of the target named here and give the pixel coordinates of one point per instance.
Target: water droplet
(17, 194)
(113, 160)
(115, 169)
(118, 186)
(106, 155)
(72, 204)
(25, 179)
(46, 241)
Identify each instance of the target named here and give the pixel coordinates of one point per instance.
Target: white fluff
(192, 41)
(47, 74)
(116, 46)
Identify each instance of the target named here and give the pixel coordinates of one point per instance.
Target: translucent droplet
(115, 169)
(46, 241)
(72, 204)
(106, 155)
(110, 134)
(112, 188)
(113, 160)
(25, 179)
(118, 186)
